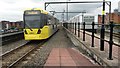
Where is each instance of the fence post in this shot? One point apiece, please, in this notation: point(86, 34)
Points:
point(102, 37)
point(78, 29)
point(67, 25)
point(64, 24)
point(75, 28)
point(83, 31)
point(70, 26)
point(93, 31)
point(111, 40)
point(119, 38)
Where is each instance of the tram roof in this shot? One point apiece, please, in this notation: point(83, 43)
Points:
point(42, 11)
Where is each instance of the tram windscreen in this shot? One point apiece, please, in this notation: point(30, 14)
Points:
point(32, 21)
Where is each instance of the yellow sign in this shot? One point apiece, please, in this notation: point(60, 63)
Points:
point(103, 12)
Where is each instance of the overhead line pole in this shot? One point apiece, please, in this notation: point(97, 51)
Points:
point(67, 11)
point(102, 35)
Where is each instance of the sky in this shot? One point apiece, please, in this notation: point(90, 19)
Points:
point(12, 10)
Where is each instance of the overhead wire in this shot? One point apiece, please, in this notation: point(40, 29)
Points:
point(51, 7)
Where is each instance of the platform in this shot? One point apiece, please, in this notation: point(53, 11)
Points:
point(100, 56)
point(9, 34)
point(67, 57)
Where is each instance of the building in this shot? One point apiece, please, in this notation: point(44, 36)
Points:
point(99, 19)
point(115, 17)
point(5, 25)
point(10, 25)
point(0, 26)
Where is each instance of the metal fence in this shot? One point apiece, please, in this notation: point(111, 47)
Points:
point(77, 27)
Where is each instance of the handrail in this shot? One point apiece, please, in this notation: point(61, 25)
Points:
point(110, 41)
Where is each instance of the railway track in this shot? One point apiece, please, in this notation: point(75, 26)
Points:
point(17, 55)
point(116, 36)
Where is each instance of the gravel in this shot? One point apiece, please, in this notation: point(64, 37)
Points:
point(59, 40)
point(11, 57)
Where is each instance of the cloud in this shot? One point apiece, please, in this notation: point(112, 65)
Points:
point(15, 8)
point(9, 1)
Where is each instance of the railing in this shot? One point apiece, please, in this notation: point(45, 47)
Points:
point(73, 28)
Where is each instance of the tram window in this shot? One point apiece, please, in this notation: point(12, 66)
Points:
point(32, 21)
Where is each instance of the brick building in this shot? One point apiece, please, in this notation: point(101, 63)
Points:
point(115, 17)
point(9, 25)
point(99, 19)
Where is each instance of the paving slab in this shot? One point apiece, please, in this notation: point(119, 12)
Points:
point(67, 57)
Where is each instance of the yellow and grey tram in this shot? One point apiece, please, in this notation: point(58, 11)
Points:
point(38, 24)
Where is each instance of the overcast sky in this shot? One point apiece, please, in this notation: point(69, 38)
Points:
point(12, 10)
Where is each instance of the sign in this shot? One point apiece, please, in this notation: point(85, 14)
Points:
point(88, 19)
point(32, 12)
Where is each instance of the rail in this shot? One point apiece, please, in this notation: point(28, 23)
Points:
point(19, 53)
point(26, 54)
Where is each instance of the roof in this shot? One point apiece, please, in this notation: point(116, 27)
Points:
point(42, 11)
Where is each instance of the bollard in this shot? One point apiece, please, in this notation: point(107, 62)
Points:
point(70, 26)
point(111, 41)
point(73, 28)
point(93, 34)
point(83, 31)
